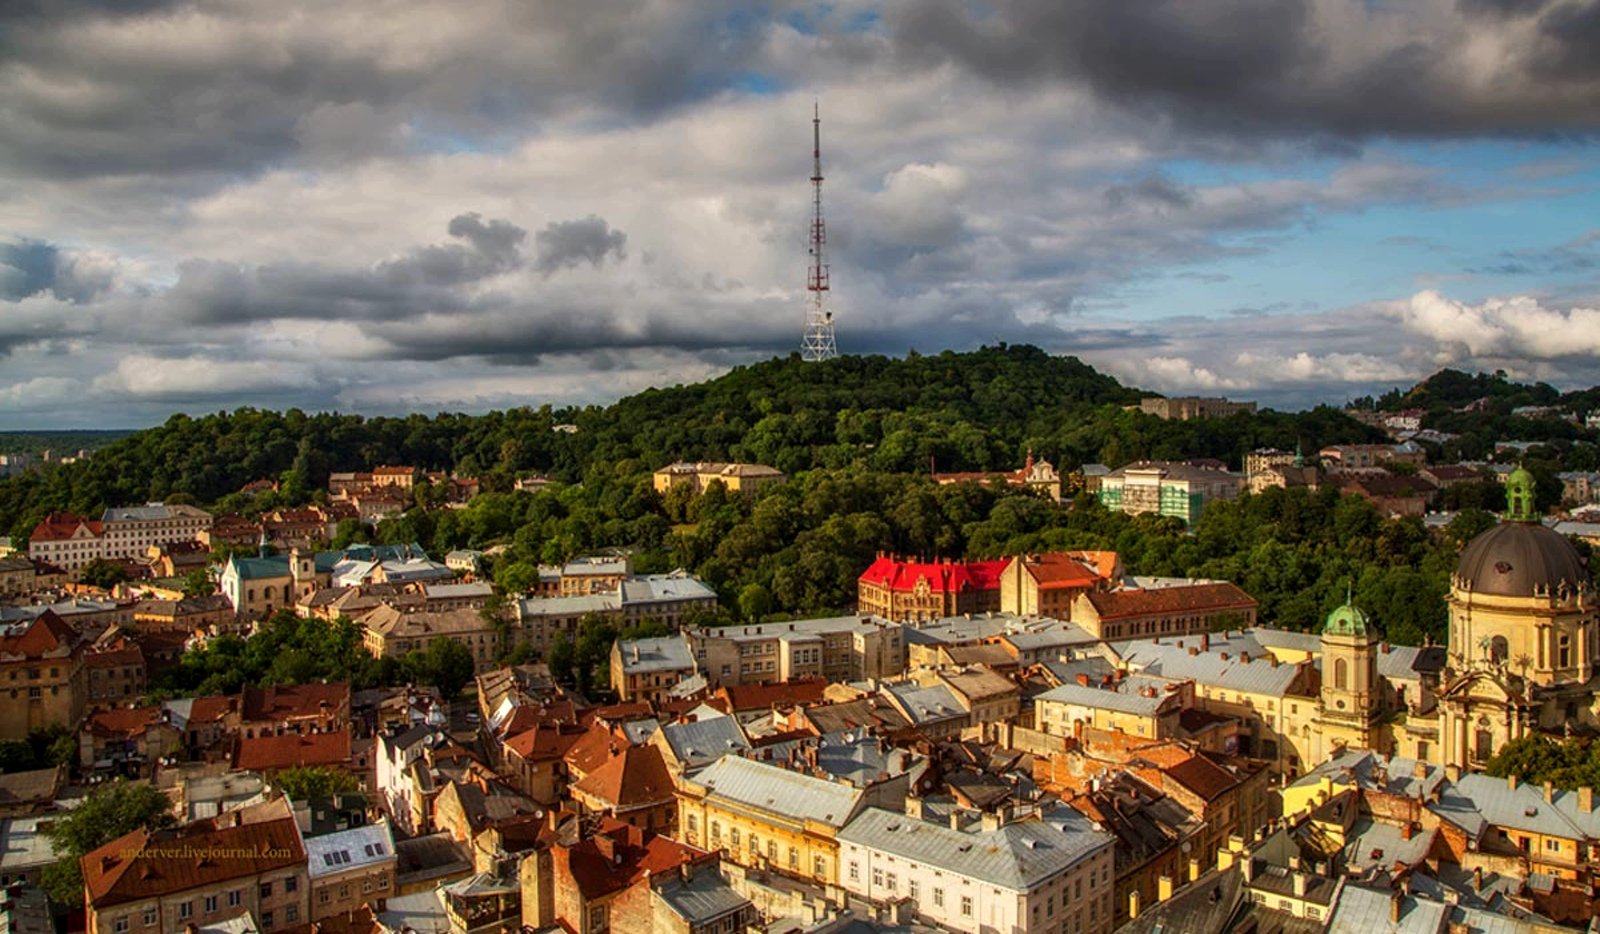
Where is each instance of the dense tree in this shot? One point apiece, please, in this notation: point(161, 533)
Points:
point(302, 783)
point(103, 573)
point(1536, 758)
point(106, 813)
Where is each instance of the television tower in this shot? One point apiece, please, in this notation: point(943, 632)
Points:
point(817, 341)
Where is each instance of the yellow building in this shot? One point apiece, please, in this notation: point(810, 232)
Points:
point(1524, 635)
point(737, 478)
point(769, 817)
point(1351, 702)
point(1136, 705)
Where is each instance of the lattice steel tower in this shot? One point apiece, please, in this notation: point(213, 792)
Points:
point(817, 341)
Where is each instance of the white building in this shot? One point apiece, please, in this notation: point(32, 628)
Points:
point(1045, 870)
point(130, 530)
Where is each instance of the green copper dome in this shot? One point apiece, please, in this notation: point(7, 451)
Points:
point(1347, 620)
point(1519, 496)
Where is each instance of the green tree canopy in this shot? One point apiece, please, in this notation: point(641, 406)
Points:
point(302, 783)
point(108, 812)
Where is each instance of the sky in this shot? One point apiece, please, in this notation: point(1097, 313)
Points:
point(386, 206)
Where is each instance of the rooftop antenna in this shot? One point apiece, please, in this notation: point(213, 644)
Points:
point(816, 343)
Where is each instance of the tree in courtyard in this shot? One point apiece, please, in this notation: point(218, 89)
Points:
point(108, 812)
point(302, 783)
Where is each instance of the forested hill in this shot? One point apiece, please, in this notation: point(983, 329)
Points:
point(955, 411)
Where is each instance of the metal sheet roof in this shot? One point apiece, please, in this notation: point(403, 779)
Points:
point(1016, 856)
point(767, 787)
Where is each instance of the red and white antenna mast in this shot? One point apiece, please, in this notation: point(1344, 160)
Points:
point(817, 341)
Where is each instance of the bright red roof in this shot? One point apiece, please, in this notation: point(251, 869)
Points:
point(942, 577)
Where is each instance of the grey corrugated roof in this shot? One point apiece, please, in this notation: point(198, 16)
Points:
point(1126, 695)
point(1170, 659)
point(665, 653)
point(927, 704)
point(1367, 911)
point(703, 741)
point(702, 899)
point(1016, 856)
point(659, 588)
point(1286, 639)
point(852, 755)
point(1521, 808)
point(1376, 845)
point(566, 606)
point(828, 624)
point(767, 787)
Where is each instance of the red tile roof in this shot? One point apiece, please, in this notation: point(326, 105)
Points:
point(1062, 570)
point(942, 577)
point(798, 693)
point(146, 864)
point(1124, 604)
point(619, 856)
point(61, 526)
point(594, 748)
point(115, 658)
point(545, 741)
point(286, 701)
point(47, 633)
point(635, 777)
point(210, 709)
point(123, 721)
point(268, 753)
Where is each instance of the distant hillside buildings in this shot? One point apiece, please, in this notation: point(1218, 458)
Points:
point(737, 478)
point(1168, 488)
point(1184, 408)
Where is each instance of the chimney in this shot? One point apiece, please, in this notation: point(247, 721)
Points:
point(1420, 771)
point(1133, 903)
point(1193, 651)
point(1511, 782)
point(1549, 792)
point(1586, 799)
point(1244, 658)
point(1194, 868)
point(1395, 902)
point(1477, 879)
point(1205, 642)
point(1406, 831)
point(1300, 881)
point(914, 807)
point(1164, 888)
point(955, 820)
point(991, 821)
point(1083, 679)
point(1274, 661)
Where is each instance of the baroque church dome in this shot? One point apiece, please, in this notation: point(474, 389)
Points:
point(1521, 559)
point(1347, 620)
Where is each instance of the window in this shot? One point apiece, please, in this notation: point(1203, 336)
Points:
point(891, 882)
point(211, 904)
point(819, 866)
point(966, 906)
point(733, 835)
point(266, 890)
point(291, 914)
point(322, 896)
point(716, 830)
point(911, 887)
point(266, 919)
point(235, 897)
point(877, 877)
point(120, 926)
point(694, 824)
point(149, 917)
point(185, 909)
point(794, 858)
point(938, 898)
point(290, 884)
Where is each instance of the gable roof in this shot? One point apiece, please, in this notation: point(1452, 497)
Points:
point(45, 634)
point(1211, 596)
point(284, 701)
point(265, 753)
point(635, 777)
point(63, 526)
point(776, 790)
point(146, 864)
point(1016, 856)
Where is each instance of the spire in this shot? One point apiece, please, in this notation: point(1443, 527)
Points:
point(1299, 456)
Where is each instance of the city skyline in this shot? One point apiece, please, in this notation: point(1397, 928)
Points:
point(491, 206)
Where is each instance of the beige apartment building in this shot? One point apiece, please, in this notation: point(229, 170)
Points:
point(737, 478)
point(844, 648)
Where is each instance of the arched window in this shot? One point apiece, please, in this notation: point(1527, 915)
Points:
point(1341, 674)
point(1499, 649)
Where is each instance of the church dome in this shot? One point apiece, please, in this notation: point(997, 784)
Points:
point(1347, 620)
point(1521, 559)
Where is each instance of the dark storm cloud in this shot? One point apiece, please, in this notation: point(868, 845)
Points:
point(566, 244)
point(101, 89)
point(32, 267)
point(427, 279)
point(1274, 66)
